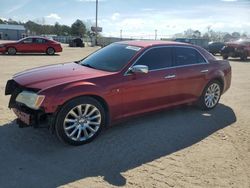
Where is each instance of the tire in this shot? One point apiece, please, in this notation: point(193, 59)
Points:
point(11, 51)
point(243, 56)
point(211, 95)
point(75, 129)
point(225, 56)
point(50, 51)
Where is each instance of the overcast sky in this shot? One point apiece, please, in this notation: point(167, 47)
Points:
point(136, 17)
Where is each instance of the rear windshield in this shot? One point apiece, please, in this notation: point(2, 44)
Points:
point(206, 54)
point(111, 58)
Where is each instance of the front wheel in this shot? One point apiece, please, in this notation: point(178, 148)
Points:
point(210, 96)
point(11, 51)
point(80, 121)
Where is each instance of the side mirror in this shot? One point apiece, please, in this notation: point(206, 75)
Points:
point(139, 69)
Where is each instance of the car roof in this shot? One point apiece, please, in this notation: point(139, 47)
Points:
point(32, 37)
point(149, 43)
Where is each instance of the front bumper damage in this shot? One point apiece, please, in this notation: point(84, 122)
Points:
point(27, 117)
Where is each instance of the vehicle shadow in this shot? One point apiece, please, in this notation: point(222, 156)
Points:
point(33, 157)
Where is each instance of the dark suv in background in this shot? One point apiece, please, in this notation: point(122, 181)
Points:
point(215, 47)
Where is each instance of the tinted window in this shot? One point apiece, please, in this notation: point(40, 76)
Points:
point(187, 56)
point(111, 58)
point(39, 40)
point(157, 58)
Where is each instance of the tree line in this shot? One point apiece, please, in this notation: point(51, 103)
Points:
point(78, 28)
point(211, 35)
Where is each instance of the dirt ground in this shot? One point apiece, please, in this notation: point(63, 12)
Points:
point(182, 147)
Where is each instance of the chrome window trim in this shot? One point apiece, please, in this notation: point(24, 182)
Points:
point(178, 66)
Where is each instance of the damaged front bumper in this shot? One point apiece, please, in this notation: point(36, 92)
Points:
point(26, 116)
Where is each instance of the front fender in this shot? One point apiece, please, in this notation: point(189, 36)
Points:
point(56, 97)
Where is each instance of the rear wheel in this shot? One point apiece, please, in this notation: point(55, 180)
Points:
point(80, 121)
point(243, 56)
point(210, 96)
point(50, 51)
point(11, 51)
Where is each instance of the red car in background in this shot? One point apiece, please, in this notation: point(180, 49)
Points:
point(240, 48)
point(31, 45)
point(118, 81)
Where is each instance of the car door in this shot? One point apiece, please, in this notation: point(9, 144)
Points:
point(191, 70)
point(153, 90)
point(40, 45)
point(26, 45)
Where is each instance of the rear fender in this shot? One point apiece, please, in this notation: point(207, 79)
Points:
point(222, 73)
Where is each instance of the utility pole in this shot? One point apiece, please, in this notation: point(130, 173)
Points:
point(96, 20)
point(121, 34)
point(155, 34)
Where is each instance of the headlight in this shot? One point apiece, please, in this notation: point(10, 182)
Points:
point(30, 99)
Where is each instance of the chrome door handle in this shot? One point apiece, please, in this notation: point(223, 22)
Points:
point(204, 71)
point(170, 76)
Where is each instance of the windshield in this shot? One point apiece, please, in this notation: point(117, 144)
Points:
point(110, 58)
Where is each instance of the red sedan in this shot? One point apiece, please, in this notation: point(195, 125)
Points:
point(121, 80)
point(31, 45)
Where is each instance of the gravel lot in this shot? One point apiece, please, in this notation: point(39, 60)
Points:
point(182, 147)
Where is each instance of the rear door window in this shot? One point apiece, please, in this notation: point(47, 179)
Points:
point(40, 41)
point(187, 56)
point(156, 58)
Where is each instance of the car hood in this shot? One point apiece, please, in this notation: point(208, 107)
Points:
point(49, 76)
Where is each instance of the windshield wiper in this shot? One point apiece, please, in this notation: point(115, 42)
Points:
point(77, 62)
point(88, 65)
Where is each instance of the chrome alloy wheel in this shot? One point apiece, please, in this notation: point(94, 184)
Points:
point(50, 51)
point(11, 51)
point(82, 122)
point(212, 95)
